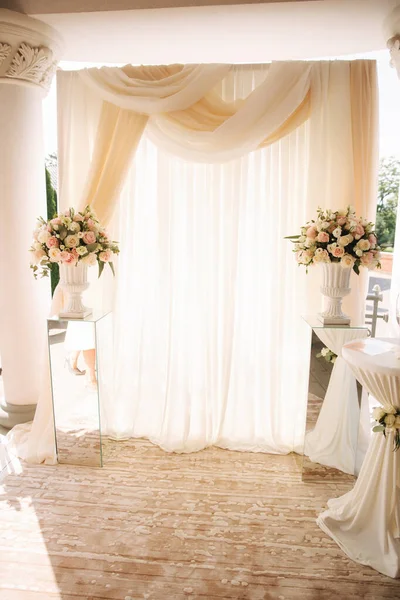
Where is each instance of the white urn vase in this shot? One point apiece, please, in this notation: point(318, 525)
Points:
point(335, 286)
point(73, 280)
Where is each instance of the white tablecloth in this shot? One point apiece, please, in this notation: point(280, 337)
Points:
point(333, 441)
point(365, 522)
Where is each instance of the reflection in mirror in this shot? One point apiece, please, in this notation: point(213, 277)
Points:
point(75, 391)
point(333, 415)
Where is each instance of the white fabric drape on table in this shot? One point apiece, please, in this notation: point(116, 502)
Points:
point(215, 235)
point(334, 439)
point(365, 522)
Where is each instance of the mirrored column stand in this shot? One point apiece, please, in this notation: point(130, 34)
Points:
point(81, 379)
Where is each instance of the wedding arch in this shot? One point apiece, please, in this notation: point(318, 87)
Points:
point(316, 125)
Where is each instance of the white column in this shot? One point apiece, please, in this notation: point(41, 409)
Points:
point(29, 52)
point(392, 27)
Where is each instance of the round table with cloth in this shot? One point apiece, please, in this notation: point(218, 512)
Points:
point(365, 522)
point(333, 441)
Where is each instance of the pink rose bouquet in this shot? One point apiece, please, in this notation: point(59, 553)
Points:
point(337, 236)
point(68, 238)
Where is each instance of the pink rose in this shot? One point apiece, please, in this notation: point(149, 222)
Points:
point(68, 258)
point(49, 227)
point(311, 232)
point(105, 256)
point(358, 231)
point(341, 221)
point(372, 239)
point(78, 218)
point(56, 221)
point(89, 237)
point(338, 251)
point(52, 242)
point(67, 213)
point(367, 258)
point(91, 224)
point(323, 237)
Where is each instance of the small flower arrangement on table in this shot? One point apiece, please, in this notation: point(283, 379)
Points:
point(389, 422)
point(327, 354)
point(337, 236)
point(69, 238)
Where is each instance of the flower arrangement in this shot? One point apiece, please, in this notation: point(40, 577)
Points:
point(337, 236)
point(327, 354)
point(389, 421)
point(68, 238)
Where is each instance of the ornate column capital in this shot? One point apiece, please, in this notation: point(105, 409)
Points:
point(391, 28)
point(29, 50)
point(394, 48)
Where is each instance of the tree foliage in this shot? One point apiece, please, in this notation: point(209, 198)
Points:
point(388, 194)
point(51, 197)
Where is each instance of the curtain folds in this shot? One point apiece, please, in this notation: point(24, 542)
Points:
point(213, 294)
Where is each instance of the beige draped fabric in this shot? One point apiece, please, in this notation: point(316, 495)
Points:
point(185, 115)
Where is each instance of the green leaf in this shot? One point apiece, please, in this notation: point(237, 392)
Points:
point(112, 268)
point(292, 237)
point(101, 267)
point(356, 268)
point(378, 428)
point(62, 232)
point(92, 247)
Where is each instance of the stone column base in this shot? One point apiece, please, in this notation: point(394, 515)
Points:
point(14, 414)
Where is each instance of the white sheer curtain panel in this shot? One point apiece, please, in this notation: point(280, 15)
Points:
point(208, 301)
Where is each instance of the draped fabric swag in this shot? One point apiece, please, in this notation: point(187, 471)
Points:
point(309, 129)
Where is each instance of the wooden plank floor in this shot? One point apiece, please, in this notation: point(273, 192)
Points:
point(211, 525)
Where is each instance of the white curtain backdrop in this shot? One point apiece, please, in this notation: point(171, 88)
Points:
point(208, 300)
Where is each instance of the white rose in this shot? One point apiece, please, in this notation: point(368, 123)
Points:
point(37, 256)
point(74, 227)
point(54, 255)
point(321, 256)
point(71, 241)
point(90, 260)
point(309, 242)
point(345, 240)
point(325, 351)
point(337, 232)
point(37, 246)
point(347, 261)
point(342, 212)
point(352, 224)
point(364, 245)
point(359, 252)
point(390, 420)
point(43, 236)
point(391, 410)
point(323, 225)
point(81, 250)
point(378, 413)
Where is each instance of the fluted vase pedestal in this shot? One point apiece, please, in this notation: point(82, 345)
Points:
point(73, 280)
point(335, 286)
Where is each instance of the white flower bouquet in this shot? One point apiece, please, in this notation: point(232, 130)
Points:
point(327, 354)
point(389, 421)
point(68, 238)
point(337, 236)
